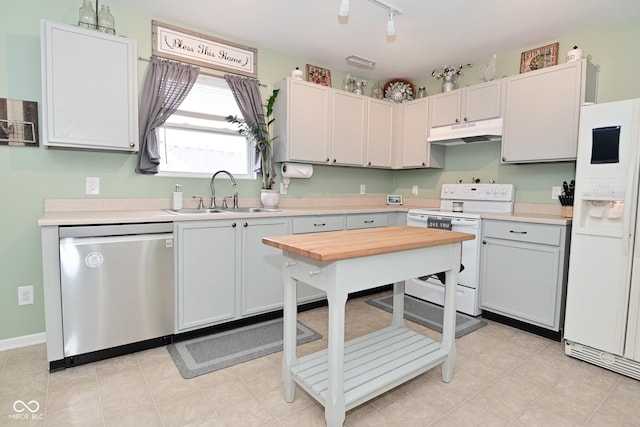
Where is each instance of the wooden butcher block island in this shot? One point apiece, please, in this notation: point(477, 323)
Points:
point(346, 375)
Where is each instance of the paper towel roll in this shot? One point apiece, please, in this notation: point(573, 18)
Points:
point(296, 170)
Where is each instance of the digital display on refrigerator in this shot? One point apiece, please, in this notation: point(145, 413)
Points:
point(605, 145)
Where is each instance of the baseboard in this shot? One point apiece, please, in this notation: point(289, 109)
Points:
point(23, 341)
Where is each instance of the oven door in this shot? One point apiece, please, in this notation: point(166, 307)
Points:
point(431, 288)
point(470, 248)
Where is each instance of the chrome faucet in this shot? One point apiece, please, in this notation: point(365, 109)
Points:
point(213, 190)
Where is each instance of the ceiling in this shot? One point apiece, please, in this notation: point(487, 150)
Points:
point(430, 34)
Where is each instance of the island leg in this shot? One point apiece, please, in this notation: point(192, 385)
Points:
point(289, 358)
point(398, 304)
point(334, 413)
point(449, 316)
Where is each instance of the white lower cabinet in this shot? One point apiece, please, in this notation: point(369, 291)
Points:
point(371, 220)
point(207, 268)
point(262, 287)
point(224, 272)
point(523, 273)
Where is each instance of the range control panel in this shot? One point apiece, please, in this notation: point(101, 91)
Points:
point(493, 192)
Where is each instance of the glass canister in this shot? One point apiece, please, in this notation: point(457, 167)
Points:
point(106, 22)
point(87, 16)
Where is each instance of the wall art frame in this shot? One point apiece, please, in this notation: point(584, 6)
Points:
point(531, 60)
point(318, 75)
point(18, 123)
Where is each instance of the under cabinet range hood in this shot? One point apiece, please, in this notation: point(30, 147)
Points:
point(466, 133)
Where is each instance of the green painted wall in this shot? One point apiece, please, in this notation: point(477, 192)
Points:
point(29, 175)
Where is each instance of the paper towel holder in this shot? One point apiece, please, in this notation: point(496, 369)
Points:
point(286, 176)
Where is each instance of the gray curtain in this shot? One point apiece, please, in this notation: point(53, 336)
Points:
point(246, 91)
point(166, 85)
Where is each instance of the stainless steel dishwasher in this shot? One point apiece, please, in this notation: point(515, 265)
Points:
point(117, 285)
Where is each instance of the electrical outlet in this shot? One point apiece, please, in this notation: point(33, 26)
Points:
point(363, 189)
point(555, 192)
point(414, 190)
point(25, 295)
point(92, 185)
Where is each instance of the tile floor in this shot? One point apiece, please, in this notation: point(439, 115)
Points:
point(503, 377)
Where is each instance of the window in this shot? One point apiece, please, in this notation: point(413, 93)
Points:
point(197, 141)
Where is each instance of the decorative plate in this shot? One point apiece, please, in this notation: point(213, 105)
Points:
point(399, 90)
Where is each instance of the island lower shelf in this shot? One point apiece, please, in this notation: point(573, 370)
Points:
point(373, 364)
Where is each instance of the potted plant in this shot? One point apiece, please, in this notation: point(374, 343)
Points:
point(264, 147)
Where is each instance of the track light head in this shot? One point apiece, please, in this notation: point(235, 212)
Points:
point(344, 8)
point(391, 25)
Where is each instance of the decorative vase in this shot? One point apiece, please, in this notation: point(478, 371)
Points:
point(269, 198)
point(448, 84)
point(87, 16)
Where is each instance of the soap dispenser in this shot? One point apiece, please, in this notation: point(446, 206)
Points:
point(177, 197)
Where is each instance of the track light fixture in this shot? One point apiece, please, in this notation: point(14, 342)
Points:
point(391, 25)
point(393, 11)
point(344, 8)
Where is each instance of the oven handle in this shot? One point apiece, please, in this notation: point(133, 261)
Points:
point(464, 222)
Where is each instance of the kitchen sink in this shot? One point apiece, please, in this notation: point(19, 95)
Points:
point(251, 210)
point(204, 211)
point(195, 211)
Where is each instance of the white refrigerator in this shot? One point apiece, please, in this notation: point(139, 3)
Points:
point(602, 323)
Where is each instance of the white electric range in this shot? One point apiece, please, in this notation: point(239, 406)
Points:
point(461, 209)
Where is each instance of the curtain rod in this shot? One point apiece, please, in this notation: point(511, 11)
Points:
point(202, 72)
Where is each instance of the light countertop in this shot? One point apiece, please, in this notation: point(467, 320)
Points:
point(119, 211)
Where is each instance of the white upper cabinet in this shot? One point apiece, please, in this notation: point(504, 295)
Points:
point(90, 89)
point(410, 133)
point(542, 112)
point(379, 133)
point(348, 128)
point(301, 126)
point(318, 124)
point(469, 104)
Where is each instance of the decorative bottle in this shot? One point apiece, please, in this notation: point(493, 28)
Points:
point(87, 16)
point(376, 91)
point(106, 22)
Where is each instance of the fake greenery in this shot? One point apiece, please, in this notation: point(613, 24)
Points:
point(263, 140)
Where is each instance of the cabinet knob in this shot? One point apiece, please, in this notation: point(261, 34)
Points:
point(233, 225)
point(504, 159)
point(424, 164)
point(335, 160)
point(328, 160)
point(457, 120)
point(369, 164)
point(484, 242)
point(132, 144)
point(465, 119)
point(245, 225)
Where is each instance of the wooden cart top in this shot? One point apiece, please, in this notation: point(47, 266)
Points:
point(337, 245)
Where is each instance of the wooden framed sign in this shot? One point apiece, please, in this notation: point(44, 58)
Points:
point(533, 59)
point(202, 50)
